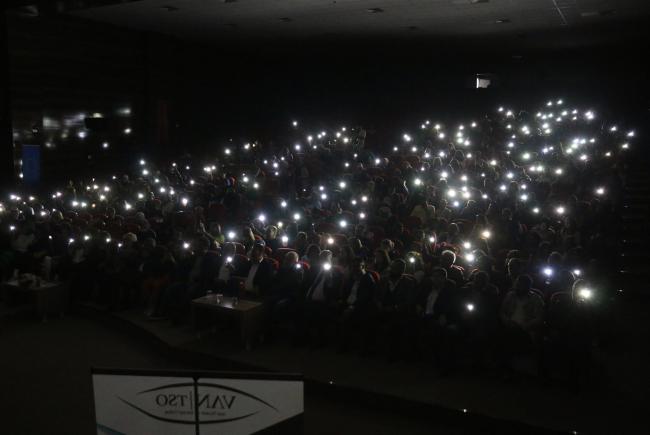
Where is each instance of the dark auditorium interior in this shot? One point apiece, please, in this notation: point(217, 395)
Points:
point(358, 216)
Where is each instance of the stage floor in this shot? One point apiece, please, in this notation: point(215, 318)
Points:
point(46, 385)
point(554, 407)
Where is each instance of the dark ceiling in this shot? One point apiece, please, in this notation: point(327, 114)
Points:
point(494, 24)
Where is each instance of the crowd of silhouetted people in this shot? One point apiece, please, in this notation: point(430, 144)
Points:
point(463, 245)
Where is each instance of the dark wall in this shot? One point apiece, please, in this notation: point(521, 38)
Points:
point(190, 97)
point(65, 70)
point(389, 86)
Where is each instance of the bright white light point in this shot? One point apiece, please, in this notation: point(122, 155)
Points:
point(502, 188)
point(630, 134)
point(105, 145)
point(624, 146)
point(184, 201)
point(484, 196)
point(486, 234)
point(414, 149)
point(411, 260)
point(362, 215)
point(585, 293)
point(493, 162)
point(346, 164)
point(406, 137)
point(451, 193)
point(536, 210)
point(256, 186)
point(323, 196)
point(186, 245)
point(342, 184)
point(510, 175)
point(548, 271)
point(364, 198)
point(231, 235)
point(560, 210)
point(343, 224)
point(470, 257)
point(600, 191)
point(524, 197)
point(295, 123)
point(417, 182)
point(432, 239)
point(526, 156)
point(377, 161)
point(245, 179)
point(296, 216)
point(558, 171)
point(127, 131)
point(441, 136)
point(577, 272)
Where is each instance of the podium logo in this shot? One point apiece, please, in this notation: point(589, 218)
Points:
point(192, 403)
